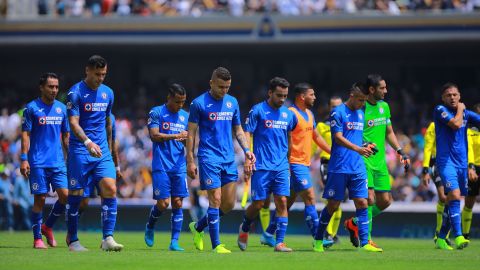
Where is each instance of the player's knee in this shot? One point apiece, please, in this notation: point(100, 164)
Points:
point(177, 203)
point(109, 191)
point(62, 195)
point(258, 205)
point(281, 202)
point(39, 202)
point(163, 204)
point(442, 199)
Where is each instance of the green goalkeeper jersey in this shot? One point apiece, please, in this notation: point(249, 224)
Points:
point(377, 118)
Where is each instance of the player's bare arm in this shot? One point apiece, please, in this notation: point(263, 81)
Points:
point(364, 151)
point(457, 122)
point(157, 136)
point(191, 167)
point(78, 131)
point(242, 140)
point(248, 166)
point(320, 141)
point(65, 141)
point(392, 140)
point(25, 145)
point(108, 127)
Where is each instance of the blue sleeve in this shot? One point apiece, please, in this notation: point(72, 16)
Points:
point(293, 122)
point(473, 118)
point(443, 115)
point(153, 119)
point(251, 121)
point(27, 120)
point(336, 122)
point(194, 115)
point(236, 115)
point(65, 123)
point(73, 104)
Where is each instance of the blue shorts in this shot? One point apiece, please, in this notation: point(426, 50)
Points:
point(454, 178)
point(266, 182)
point(357, 184)
point(169, 184)
point(85, 170)
point(41, 179)
point(300, 179)
point(216, 175)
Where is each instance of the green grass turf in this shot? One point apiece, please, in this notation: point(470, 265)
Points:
point(16, 252)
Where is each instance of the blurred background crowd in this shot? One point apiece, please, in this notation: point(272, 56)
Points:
point(197, 8)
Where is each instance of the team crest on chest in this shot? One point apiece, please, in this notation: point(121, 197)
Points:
point(182, 118)
point(229, 104)
point(360, 116)
point(58, 110)
point(104, 95)
point(284, 115)
point(381, 110)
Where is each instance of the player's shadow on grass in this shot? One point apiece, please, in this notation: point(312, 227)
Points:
point(10, 247)
point(326, 250)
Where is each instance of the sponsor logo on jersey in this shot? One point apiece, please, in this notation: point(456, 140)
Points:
point(370, 123)
point(50, 120)
point(42, 120)
point(179, 127)
point(276, 124)
point(96, 107)
point(220, 116)
point(354, 125)
point(166, 125)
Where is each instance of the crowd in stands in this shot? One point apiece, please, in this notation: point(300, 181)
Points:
point(197, 8)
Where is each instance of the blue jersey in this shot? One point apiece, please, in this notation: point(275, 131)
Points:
point(168, 156)
point(270, 128)
point(45, 124)
point(93, 107)
point(215, 119)
point(350, 123)
point(452, 144)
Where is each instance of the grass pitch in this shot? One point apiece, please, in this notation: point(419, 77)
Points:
point(16, 252)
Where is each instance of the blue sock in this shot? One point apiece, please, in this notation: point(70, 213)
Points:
point(282, 223)
point(311, 218)
point(246, 223)
point(322, 224)
point(202, 223)
point(36, 219)
point(455, 217)
point(109, 216)
point(214, 226)
point(273, 223)
point(445, 223)
point(362, 223)
point(57, 210)
point(155, 213)
point(177, 221)
point(73, 203)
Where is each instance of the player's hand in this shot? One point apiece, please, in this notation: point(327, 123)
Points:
point(425, 177)
point(461, 106)
point(94, 150)
point(405, 160)
point(372, 147)
point(472, 175)
point(250, 156)
point(25, 168)
point(192, 170)
point(119, 175)
point(182, 136)
point(248, 168)
point(365, 151)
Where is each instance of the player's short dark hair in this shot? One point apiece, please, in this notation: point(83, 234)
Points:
point(44, 78)
point(359, 87)
point(96, 61)
point(221, 73)
point(301, 88)
point(334, 98)
point(277, 81)
point(373, 80)
point(176, 89)
point(447, 86)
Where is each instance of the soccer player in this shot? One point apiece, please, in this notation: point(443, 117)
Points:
point(430, 172)
point(215, 114)
point(89, 104)
point(45, 131)
point(377, 129)
point(270, 123)
point(346, 166)
point(300, 155)
point(473, 172)
point(451, 120)
point(167, 126)
point(323, 129)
